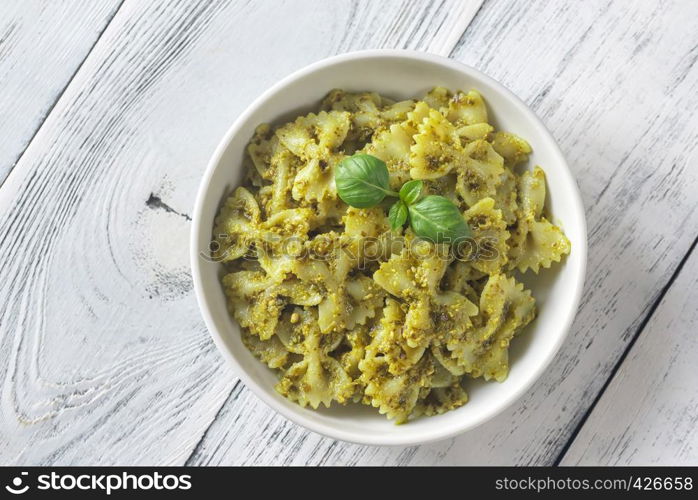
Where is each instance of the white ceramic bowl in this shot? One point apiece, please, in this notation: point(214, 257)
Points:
point(399, 75)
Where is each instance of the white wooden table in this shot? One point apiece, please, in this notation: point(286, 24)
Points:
point(109, 111)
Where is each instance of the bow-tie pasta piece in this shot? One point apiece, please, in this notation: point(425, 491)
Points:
point(511, 147)
point(291, 332)
point(237, 226)
point(318, 378)
point(447, 360)
point(450, 314)
point(333, 310)
point(388, 342)
point(459, 277)
point(285, 168)
point(506, 196)
point(315, 140)
point(291, 222)
point(257, 299)
point(487, 250)
point(445, 394)
point(535, 242)
point(279, 261)
point(315, 136)
point(369, 112)
point(438, 99)
point(365, 299)
point(416, 117)
point(466, 109)
point(479, 173)
point(395, 396)
point(532, 193)
point(328, 213)
point(505, 308)
point(263, 146)
point(414, 275)
point(474, 132)
point(392, 145)
point(443, 186)
point(314, 181)
point(416, 270)
point(437, 148)
point(367, 236)
point(271, 352)
point(299, 292)
point(352, 102)
point(365, 223)
point(353, 350)
point(441, 399)
point(254, 301)
point(348, 301)
point(393, 112)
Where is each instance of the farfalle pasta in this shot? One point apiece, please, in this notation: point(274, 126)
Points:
point(347, 310)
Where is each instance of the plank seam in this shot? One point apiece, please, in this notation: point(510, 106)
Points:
point(199, 443)
point(60, 95)
point(456, 42)
point(627, 350)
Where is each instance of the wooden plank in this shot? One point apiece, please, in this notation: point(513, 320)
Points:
point(649, 412)
point(42, 44)
point(616, 84)
point(104, 356)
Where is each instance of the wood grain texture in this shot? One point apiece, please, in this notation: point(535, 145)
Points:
point(42, 44)
point(104, 357)
point(616, 83)
point(649, 413)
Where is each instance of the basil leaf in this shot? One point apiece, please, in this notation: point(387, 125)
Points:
point(397, 215)
point(362, 181)
point(437, 219)
point(410, 191)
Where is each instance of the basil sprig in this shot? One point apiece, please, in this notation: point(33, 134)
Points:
point(363, 181)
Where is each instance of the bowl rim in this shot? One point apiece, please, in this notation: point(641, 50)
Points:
point(435, 433)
